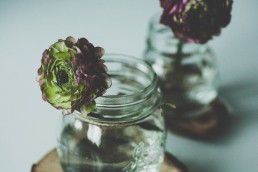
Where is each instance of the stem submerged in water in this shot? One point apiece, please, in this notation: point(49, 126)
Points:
point(180, 46)
point(179, 54)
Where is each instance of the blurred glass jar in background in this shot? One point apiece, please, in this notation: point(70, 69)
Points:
point(125, 133)
point(187, 72)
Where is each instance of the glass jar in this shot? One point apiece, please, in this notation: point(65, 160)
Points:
point(125, 133)
point(187, 72)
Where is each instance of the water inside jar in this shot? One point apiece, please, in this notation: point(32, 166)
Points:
point(103, 149)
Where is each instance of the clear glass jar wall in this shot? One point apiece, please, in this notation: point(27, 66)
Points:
point(125, 133)
point(187, 72)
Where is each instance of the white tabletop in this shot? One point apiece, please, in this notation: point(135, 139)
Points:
point(28, 125)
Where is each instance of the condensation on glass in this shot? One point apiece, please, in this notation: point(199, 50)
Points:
point(125, 133)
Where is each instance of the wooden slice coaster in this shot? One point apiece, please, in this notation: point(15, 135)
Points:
point(50, 163)
point(205, 126)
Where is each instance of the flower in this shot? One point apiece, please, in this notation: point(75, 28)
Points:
point(196, 20)
point(72, 74)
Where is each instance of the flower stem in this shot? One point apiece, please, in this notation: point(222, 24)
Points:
point(179, 53)
point(180, 46)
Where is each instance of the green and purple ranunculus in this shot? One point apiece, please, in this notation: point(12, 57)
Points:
point(72, 74)
point(196, 20)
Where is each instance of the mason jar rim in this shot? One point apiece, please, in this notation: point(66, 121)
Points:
point(122, 57)
point(136, 106)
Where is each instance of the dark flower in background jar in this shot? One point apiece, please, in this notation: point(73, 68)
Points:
point(72, 74)
point(196, 20)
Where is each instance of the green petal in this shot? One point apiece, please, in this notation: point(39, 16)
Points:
point(52, 92)
point(53, 51)
point(62, 98)
point(63, 56)
point(64, 105)
point(61, 47)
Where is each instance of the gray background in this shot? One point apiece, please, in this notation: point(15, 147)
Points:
point(28, 126)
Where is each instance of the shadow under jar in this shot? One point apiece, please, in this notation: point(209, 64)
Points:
point(125, 133)
point(187, 72)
